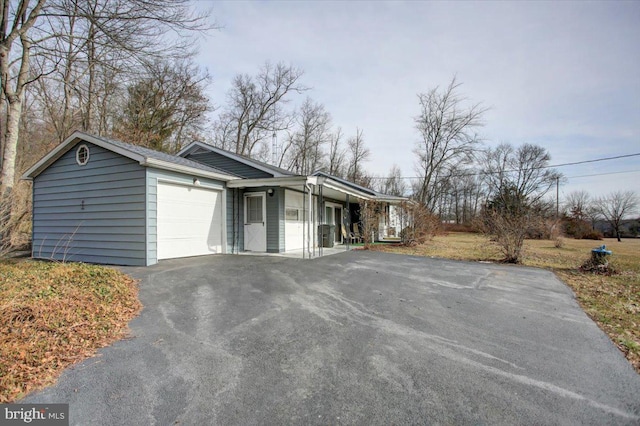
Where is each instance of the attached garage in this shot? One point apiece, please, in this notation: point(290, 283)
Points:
point(189, 220)
point(97, 200)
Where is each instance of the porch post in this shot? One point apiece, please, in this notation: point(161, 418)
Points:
point(348, 222)
point(320, 220)
point(304, 222)
point(402, 212)
point(309, 223)
point(236, 221)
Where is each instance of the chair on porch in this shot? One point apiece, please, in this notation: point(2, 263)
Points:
point(356, 232)
point(351, 237)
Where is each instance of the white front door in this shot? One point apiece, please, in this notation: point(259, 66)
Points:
point(255, 222)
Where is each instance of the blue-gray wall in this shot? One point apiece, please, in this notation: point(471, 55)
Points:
point(274, 218)
point(275, 221)
point(92, 213)
point(235, 213)
point(228, 165)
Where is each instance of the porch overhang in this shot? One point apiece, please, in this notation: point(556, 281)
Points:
point(293, 181)
point(343, 189)
point(394, 200)
point(331, 188)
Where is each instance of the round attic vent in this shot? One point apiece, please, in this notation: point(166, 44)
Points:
point(82, 155)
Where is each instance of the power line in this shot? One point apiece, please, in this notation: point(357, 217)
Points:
point(575, 163)
point(603, 174)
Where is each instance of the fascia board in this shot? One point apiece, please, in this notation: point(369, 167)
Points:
point(284, 181)
point(189, 147)
point(390, 200)
point(337, 186)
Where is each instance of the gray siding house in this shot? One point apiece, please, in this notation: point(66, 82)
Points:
point(99, 200)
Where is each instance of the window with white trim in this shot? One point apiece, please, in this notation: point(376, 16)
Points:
point(82, 155)
point(254, 209)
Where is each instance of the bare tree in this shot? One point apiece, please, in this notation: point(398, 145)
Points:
point(166, 108)
point(579, 215)
point(576, 204)
point(616, 206)
point(16, 22)
point(523, 171)
point(336, 162)
point(464, 194)
point(592, 213)
point(447, 138)
point(517, 179)
point(394, 184)
point(255, 107)
point(75, 44)
point(358, 154)
point(307, 142)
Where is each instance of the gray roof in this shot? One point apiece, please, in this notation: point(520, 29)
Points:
point(162, 156)
point(346, 182)
point(145, 156)
point(251, 162)
point(359, 187)
point(276, 170)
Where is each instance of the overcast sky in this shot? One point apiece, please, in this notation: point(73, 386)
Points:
point(564, 75)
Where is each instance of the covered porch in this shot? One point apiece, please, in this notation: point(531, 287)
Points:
point(303, 216)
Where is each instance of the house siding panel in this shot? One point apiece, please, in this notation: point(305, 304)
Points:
point(235, 242)
point(93, 213)
point(275, 221)
point(229, 165)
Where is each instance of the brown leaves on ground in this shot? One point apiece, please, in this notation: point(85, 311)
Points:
point(55, 314)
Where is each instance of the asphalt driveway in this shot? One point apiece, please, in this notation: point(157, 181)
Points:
point(357, 338)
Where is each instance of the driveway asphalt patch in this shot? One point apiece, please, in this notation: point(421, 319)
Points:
point(357, 338)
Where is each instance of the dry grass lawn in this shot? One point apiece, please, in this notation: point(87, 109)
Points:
point(612, 301)
point(55, 314)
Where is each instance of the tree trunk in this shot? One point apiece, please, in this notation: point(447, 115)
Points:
point(14, 111)
point(11, 144)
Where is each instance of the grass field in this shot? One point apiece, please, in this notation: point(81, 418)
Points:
point(612, 301)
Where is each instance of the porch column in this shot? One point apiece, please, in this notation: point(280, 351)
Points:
point(304, 220)
point(320, 220)
point(348, 222)
point(311, 236)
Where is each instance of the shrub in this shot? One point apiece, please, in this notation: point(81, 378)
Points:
point(424, 224)
point(592, 235)
point(598, 265)
point(461, 227)
point(575, 228)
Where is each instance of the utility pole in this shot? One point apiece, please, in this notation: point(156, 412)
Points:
point(557, 197)
point(274, 149)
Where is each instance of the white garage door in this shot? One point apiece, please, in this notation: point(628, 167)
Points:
point(189, 221)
